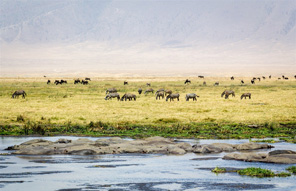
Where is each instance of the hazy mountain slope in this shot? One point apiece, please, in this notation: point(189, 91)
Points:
point(207, 31)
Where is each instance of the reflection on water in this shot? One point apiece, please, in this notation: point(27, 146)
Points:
point(153, 172)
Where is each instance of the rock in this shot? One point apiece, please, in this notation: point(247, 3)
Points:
point(64, 141)
point(82, 152)
point(116, 145)
point(252, 146)
point(277, 156)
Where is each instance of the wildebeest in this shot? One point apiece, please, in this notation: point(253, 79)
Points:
point(259, 79)
point(172, 97)
point(232, 78)
point(77, 81)
point(84, 82)
point(201, 77)
point(242, 81)
point(60, 82)
point(254, 78)
point(149, 90)
point(295, 76)
point(160, 90)
point(128, 96)
point(253, 81)
point(87, 79)
point(140, 90)
point(216, 84)
point(191, 96)
point(159, 94)
point(18, 93)
point(286, 78)
point(227, 93)
point(111, 90)
point(48, 81)
point(245, 95)
point(283, 76)
point(269, 76)
point(187, 81)
point(263, 77)
point(279, 78)
point(148, 84)
point(56, 82)
point(125, 83)
point(168, 92)
point(204, 83)
point(112, 95)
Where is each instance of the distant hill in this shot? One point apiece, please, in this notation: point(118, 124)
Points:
point(182, 34)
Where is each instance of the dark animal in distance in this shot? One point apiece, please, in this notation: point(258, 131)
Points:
point(172, 97)
point(253, 81)
point(295, 76)
point(160, 90)
point(168, 92)
point(149, 90)
point(129, 97)
point(259, 79)
point(18, 93)
point(279, 78)
point(227, 93)
point(84, 82)
point(245, 95)
point(140, 90)
point(48, 81)
point(87, 79)
point(191, 96)
point(232, 78)
point(112, 95)
point(187, 81)
point(148, 84)
point(263, 77)
point(56, 82)
point(242, 81)
point(269, 76)
point(201, 77)
point(286, 78)
point(125, 83)
point(60, 82)
point(204, 83)
point(283, 76)
point(159, 94)
point(216, 84)
point(111, 90)
point(77, 81)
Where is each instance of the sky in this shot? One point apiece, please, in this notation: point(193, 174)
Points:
point(147, 37)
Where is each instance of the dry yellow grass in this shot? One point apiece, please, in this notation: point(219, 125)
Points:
point(272, 101)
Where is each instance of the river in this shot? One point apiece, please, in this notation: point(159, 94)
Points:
point(151, 172)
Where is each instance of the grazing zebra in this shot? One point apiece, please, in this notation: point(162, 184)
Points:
point(18, 93)
point(245, 95)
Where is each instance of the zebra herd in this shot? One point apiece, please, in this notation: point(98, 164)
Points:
point(161, 93)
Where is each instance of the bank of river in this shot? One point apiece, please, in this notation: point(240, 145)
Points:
point(133, 171)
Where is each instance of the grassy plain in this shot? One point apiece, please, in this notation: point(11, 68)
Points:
point(70, 108)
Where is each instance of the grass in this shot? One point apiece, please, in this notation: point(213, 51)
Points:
point(291, 169)
point(79, 109)
point(261, 173)
point(219, 170)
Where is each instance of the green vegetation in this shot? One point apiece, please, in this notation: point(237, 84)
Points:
point(81, 109)
point(219, 170)
point(266, 141)
point(291, 169)
point(260, 173)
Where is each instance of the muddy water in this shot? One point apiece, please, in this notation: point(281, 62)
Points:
point(133, 171)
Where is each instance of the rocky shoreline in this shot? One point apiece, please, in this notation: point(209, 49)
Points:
point(152, 145)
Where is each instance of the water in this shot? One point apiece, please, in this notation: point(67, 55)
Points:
point(153, 172)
